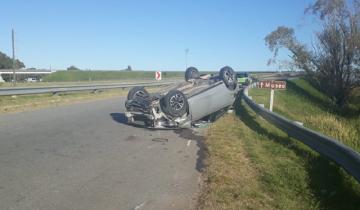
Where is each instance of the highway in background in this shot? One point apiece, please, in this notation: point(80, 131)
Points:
point(75, 88)
point(83, 156)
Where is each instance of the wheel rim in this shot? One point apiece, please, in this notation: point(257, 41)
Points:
point(177, 102)
point(139, 93)
point(193, 72)
point(228, 76)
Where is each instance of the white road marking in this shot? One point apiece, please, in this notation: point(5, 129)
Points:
point(139, 206)
point(188, 143)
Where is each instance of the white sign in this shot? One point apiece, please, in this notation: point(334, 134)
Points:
point(158, 75)
point(272, 84)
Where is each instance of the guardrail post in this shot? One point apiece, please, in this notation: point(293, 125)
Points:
point(246, 91)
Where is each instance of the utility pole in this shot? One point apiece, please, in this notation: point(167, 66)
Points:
point(13, 57)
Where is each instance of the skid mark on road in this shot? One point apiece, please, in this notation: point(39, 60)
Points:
point(131, 138)
point(160, 140)
point(198, 138)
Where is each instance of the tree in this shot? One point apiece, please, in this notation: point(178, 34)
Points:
point(72, 68)
point(334, 61)
point(7, 63)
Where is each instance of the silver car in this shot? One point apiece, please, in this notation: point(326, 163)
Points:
point(184, 103)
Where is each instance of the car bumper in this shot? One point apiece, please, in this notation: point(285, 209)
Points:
point(148, 121)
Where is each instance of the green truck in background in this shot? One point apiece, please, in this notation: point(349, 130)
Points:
point(243, 78)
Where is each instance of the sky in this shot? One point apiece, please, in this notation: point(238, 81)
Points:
point(148, 34)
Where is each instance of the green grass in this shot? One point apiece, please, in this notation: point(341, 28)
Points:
point(251, 164)
point(302, 102)
point(66, 76)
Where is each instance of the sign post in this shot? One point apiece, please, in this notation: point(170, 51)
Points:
point(279, 85)
point(271, 99)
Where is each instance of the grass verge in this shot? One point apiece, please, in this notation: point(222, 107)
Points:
point(10, 104)
point(253, 165)
point(66, 76)
point(302, 102)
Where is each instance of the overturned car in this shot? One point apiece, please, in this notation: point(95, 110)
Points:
point(180, 105)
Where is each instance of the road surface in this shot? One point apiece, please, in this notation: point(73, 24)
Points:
point(83, 156)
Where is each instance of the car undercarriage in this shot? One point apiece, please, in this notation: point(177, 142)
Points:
point(184, 103)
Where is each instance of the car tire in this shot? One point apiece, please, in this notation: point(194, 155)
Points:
point(137, 91)
point(191, 73)
point(175, 104)
point(228, 76)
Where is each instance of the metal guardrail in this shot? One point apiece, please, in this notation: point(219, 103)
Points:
point(331, 148)
point(74, 88)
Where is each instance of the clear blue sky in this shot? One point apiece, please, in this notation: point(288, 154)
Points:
point(148, 35)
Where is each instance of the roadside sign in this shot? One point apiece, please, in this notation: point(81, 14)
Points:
point(272, 84)
point(278, 85)
point(158, 75)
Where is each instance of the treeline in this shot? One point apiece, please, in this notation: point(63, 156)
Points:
point(7, 63)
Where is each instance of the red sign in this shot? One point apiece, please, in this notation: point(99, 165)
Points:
point(272, 84)
point(158, 75)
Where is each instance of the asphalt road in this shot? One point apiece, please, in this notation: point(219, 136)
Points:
point(83, 156)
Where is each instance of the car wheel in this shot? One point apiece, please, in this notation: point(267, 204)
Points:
point(228, 76)
point(174, 103)
point(191, 73)
point(137, 91)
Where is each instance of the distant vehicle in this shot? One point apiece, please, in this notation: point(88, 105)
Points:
point(243, 78)
point(184, 103)
point(31, 79)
